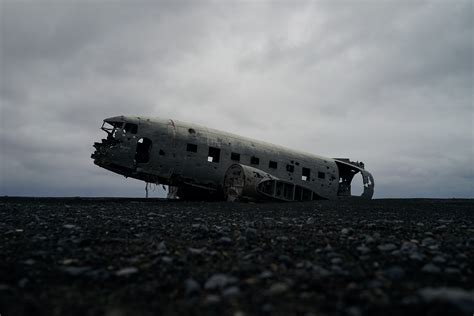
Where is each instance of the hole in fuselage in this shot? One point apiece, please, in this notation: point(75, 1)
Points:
point(142, 154)
point(357, 185)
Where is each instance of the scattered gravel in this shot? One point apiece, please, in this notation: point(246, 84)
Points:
point(145, 257)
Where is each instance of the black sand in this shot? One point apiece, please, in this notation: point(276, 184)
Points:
point(145, 257)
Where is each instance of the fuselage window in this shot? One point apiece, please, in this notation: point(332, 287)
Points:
point(290, 168)
point(305, 175)
point(192, 148)
point(254, 160)
point(235, 156)
point(321, 175)
point(272, 164)
point(214, 154)
point(130, 128)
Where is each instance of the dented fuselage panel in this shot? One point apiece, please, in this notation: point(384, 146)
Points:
point(205, 163)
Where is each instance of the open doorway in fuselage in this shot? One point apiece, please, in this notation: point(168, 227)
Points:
point(142, 154)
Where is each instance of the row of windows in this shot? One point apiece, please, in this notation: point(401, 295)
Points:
point(214, 156)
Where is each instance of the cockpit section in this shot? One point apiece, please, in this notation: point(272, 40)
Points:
point(113, 128)
point(118, 151)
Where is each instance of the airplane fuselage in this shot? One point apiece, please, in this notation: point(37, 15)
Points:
point(196, 159)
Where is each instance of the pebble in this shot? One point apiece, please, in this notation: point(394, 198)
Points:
point(22, 283)
point(439, 259)
point(310, 221)
point(251, 233)
point(196, 251)
point(267, 308)
point(430, 268)
point(461, 300)
point(225, 241)
point(29, 262)
point(212, 299)
point(219, 281)
point(387, 247)
point(394, 273)
point(4, 287)
point(162, 247)
point(415, 255)
point(278, 288)
point(408, 247)
point(191, 286)
point(346, 231)
point(428, 242)
point(126, 271)
point(336, 260)
point(231, 291)
point(75, 270)
point(450, 270)
point(363, 249)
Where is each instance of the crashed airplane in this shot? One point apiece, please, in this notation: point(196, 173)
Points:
point(199, 163)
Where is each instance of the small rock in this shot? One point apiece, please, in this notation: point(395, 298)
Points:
point(251, 233)
point(75, 270)
point(278, 288)
point(460, 300)
point(22, 283)
point(336, 260)
point(161, 248)
point(408, 247)
point(191, 286)
point(231, 291)
point(29, 262)
point(394, 273)
point(69, 226)
point(430, 268)
point(363, 249)
point(451, 270)
point(439, 259)
point(225, 241)
point(353, 311)
point(320, 271)
point(387, 247)
point(310, 221)
point(265, 275)
point(4, 287)
point(416, 256)
point(126, 271)
point(219, 281)
point(267, 308)
point(346, 231)
point(196, 251)
point(428, 242)
point(212, 299)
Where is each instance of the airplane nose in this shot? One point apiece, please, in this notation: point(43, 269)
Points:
point(101, 148)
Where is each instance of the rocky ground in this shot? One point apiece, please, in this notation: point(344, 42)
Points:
point(144, 257)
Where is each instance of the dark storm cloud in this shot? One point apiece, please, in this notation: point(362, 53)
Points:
point(389, 83)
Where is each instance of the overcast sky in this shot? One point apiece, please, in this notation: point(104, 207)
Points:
point(389, 83)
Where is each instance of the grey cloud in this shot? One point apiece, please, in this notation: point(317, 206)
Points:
point(389, 83)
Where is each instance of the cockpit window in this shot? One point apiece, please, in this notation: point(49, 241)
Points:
point(130, 128)
point(110, 127)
